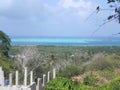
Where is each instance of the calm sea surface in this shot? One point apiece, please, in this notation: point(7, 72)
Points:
point(66, 41)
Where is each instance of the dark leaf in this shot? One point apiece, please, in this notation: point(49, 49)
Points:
point(118, 0)
point(116, 10)
point(110, 17)
point(111, 6)
point(98, 9)
point(119, 18)
point(111, 1)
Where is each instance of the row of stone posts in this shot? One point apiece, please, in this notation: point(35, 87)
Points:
point(17, 78)
point(31, 77)
point(45, 79)
point(41, 82)
point(48, 77)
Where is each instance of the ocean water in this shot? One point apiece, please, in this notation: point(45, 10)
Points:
point(66, 41)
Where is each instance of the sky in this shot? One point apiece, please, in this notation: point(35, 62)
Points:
point(55, 18)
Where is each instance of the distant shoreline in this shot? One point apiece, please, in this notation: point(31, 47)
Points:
point(65, 42)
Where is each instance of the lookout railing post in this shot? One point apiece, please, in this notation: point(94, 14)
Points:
point(54, 73)
point(31, 77)
point(39, 84)
point(17, 78)
point(48, 77)
point(10, 79)
point(44, 79)
point(1, 77)
point(25, 77)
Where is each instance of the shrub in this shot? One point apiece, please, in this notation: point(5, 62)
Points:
point(104, 87)
point(90, 80)
point(115, 84)
point(69, 72)
point(101, 63)
point(61, 83)
point(107, 74)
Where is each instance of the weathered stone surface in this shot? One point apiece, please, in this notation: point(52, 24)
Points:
point(1, 77)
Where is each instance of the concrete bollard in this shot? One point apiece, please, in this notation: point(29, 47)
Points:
point(44, 79)
point(1, 77)
point(25, 77)
point(10, 79)
point(31, 77)
point(48, 77)
point(16, 78)
point(39, 84)
point(54, 73)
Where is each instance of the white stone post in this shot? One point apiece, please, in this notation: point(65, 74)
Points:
point(39, 84)
point(48, 77)
point(16, 78)
point(10, 79)
point(44, 80)
point(31, 77)
point(54, 73)
point(25, 77)
point(1, 77)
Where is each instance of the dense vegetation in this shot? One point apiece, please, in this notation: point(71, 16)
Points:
point(90, 67)
point(78, 67)
point(8, 63)
point(61, 83)
point(4, 43)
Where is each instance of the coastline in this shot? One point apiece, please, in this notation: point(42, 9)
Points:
point(65, 42)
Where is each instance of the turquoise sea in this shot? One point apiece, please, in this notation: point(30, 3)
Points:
point(67, 41)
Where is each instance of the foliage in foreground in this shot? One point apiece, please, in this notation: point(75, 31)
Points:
point(4, 43)
point(103, 61)
point(61, 83)
point(69, 71)
point(8, 65)
point(90, 80)
point(115, 84)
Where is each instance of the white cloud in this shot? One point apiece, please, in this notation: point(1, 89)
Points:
point(80, 8)
point(74, 4)
point(20, 9)
point(3, 19)
point(5, 4)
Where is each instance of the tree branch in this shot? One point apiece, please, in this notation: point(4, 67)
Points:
point(102, 25)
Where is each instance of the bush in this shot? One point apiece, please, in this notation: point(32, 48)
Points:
point(69, 71)
point(102, 64)
point(104, 87)
point(8, 64)
point(115, 84)
point(90, 80)
point(107, 74)
point(61, 84)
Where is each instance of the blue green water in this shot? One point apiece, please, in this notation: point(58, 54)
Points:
point(66, 41)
